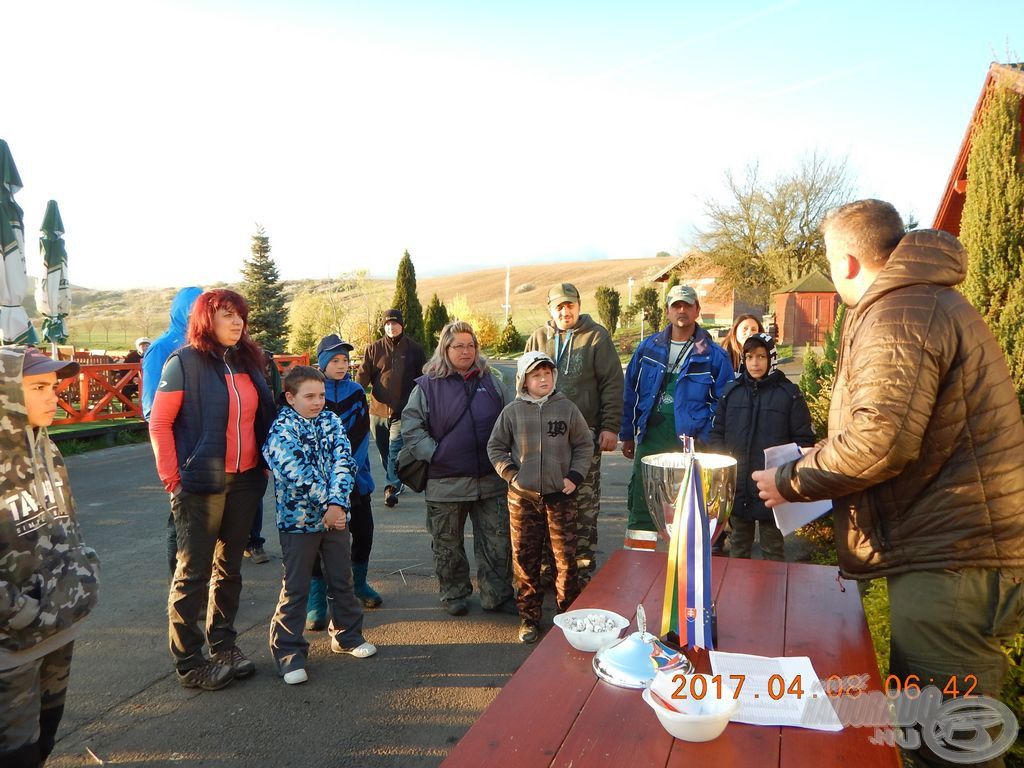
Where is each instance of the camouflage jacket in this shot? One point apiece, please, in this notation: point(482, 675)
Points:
point(48, 577)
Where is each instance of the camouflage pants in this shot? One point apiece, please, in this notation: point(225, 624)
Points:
point(446, 523)
point(535, 522)
point(31, 705)
point(588, 507)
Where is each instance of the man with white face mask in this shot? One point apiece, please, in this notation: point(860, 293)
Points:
point(389, 369)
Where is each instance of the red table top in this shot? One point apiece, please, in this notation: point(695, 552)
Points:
point(554, 711)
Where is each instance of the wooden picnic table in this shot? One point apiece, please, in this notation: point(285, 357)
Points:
point(554, 711)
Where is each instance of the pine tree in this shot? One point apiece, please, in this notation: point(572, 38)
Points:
point(406, 299)
point(830, 352)
point(810, 379)
point(608, 306)
point(261, 286)
point(511, 340)
point(992, 227)
point(435, 318)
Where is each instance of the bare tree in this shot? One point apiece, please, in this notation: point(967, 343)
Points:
point(765, 234)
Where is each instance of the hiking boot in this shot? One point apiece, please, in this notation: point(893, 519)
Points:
point(363, 651)
point(509, 607)
point(238, 661)
point(366, 594)
point(456, 606)
point(390, 496)
point(209, 676)
point(528, 632)
point(258, 555)
point(316, 606)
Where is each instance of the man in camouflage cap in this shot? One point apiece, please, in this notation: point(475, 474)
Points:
point(48, 575)
point(590, 375)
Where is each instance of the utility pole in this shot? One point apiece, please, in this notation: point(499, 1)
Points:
point(507, 306)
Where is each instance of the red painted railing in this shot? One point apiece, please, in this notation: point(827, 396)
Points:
point(98, 393)
point(108, 390)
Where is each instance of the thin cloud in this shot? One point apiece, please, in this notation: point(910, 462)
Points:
point(805, 84)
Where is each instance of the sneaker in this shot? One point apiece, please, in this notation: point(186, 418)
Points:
point(509, 607)
point(360, 651)
point(296, 676)
point(528, 632)
point(258, 555)
point(456, 606)
point(209, 676)
point(238, 661)
point(390, 496)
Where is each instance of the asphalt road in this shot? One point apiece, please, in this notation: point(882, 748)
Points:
point(407, 706)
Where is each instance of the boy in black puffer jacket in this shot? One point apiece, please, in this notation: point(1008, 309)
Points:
point(761, 408)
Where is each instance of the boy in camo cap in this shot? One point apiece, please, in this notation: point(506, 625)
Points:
point(48, 577)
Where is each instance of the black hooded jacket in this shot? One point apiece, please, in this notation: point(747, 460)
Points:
point(754, 414)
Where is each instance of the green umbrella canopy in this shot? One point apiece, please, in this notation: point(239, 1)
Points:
point(14, 323)
point(53, 292)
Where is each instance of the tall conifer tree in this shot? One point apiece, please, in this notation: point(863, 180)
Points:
point(261, 286)
point(992, 226)
point(406, 299)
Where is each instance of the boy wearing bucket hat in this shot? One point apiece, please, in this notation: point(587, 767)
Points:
point(49, 574)
point(542, 447)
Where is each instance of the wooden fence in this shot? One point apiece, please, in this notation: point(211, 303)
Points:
point(104, 390)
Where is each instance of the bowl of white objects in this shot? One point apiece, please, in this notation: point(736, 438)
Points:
point(691, 718)
point(591, 629)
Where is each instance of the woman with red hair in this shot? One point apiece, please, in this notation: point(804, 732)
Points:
point(210, 416)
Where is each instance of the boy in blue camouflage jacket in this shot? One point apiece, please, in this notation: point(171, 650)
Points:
point(48, 576)
point(314, 475)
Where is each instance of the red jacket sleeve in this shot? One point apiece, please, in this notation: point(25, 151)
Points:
point(166, 404)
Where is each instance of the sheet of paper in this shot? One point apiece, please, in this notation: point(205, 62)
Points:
point(792, 514)
point(776, 691)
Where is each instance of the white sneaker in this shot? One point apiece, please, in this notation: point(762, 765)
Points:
point(296, 676)
point(360, 651)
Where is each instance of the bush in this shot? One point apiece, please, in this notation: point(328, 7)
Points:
point(524, 288)
point(487, 331)
point(608, 306)
point(511, 341)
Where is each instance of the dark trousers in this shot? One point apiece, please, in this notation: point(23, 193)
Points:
point(299, 552)
point(361, 527)
point(387, 434)
point(741, 539)
point(212, 531)
point(534, 521)
point(256, 530)
point(32, 702)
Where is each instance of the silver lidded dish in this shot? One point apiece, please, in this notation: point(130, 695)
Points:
point(632, 661)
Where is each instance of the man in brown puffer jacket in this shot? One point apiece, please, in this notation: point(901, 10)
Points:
point(925, 454)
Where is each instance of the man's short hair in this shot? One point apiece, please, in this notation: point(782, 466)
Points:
point(873, 229)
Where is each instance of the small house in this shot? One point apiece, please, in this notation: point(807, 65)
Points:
point(805, 310)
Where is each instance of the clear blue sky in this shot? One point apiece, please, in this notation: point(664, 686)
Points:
point(470, 133)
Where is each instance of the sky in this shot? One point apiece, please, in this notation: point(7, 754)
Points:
point(472, 134)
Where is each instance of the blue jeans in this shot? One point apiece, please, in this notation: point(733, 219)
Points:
point(387, 433)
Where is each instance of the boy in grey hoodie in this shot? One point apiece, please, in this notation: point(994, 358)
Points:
point(542, 447)
point(48, 577)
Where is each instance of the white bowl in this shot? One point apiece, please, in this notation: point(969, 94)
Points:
point(590, 641)
point(708, 724)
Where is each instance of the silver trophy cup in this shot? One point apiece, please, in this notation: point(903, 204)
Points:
point(664, 473)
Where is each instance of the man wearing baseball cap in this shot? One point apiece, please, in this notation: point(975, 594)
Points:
point(590, 375)
point(673, 383)
point(50, 576)
point(389, 368)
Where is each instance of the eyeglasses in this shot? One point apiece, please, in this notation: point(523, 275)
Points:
point(462, 347)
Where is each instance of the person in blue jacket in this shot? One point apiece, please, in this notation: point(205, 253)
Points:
point(348, 400)
point(153, 365)
point(673, 383)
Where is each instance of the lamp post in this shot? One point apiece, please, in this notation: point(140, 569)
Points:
point(629, 284)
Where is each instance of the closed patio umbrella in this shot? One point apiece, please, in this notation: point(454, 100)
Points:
point(14, 325)
point(53, 292)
